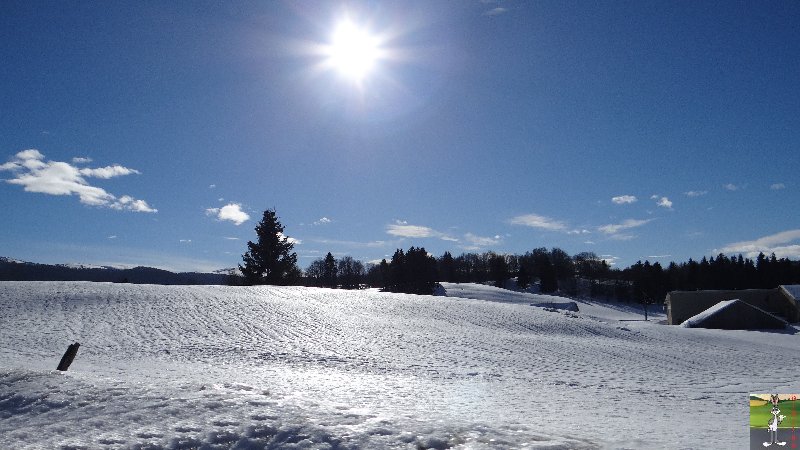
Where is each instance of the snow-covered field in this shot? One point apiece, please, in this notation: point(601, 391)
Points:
point(290, 367)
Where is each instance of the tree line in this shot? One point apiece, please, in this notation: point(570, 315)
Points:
point(270, 260)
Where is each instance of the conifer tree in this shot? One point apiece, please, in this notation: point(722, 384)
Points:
point(330, 271)
point(447, 267)
point(498, 269)
point(546, 272)
point(523, 277)
point(270, 260)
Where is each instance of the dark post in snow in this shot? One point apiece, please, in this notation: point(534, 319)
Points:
point(646, 301)
point(69, 355)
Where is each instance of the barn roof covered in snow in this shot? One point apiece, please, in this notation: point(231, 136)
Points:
point(793, 290)
point(734, 315)
point(780, 302)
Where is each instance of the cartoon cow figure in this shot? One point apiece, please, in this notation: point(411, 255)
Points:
point(773, 423)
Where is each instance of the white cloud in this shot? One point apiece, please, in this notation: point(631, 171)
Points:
point(581, 231)
point(231, 212)
point(108, 172)
point(322, 221)
point(79, 160)
point(30, 154)
point(625, 225)
point(231, 238)
point(410, 231)
point(777, 186)
point(785, 244)
point(695, 193)
point(664, 202)
point(401, 229)
point(61, 178)
point(731, 187)
point(495, 11)
point(289, 239)
point(185, 241)
point(212, 186)
point(624, 199)
point(373, 244)
point(537, 221)
point(113, 236)
point(479, 241)
point(622, 237)
point(130, 203)
point(611, 260)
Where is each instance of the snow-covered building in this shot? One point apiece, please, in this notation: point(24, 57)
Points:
point(781, 302)
point(734, 315)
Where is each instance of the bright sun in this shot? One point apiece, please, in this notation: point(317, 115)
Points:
point(353, 51)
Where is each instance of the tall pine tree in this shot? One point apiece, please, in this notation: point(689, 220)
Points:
point(329, 273)
point(270, 260)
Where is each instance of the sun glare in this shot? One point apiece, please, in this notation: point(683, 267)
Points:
point(353, 51)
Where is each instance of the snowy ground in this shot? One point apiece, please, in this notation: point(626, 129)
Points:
point(288, 367)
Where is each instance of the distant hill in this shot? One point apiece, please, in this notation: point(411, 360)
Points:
point(14, 270)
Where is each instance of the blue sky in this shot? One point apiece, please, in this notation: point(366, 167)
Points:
point(155, 133)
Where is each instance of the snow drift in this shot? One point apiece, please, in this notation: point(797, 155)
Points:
point(491, 293)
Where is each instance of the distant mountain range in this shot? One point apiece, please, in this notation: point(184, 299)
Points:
point(14, 270)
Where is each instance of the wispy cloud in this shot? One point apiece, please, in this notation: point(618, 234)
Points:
point(537, 221)
point(662, 202)
point(230, 238)
point(480, 241)
point(496, 11)
point(579, 231)
point(402, 229)
point(785, 244)
point(322, 221)
point(695, 193)
point(81, 160)
point(777, 186)
point(371, 244)
point(108, 172)
point(185, 241)
point(614, 229)
point(624, 199)
point(622, 237)
point(731, 187)
point(61, 178)
point(411, 231)
point(231, 212)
